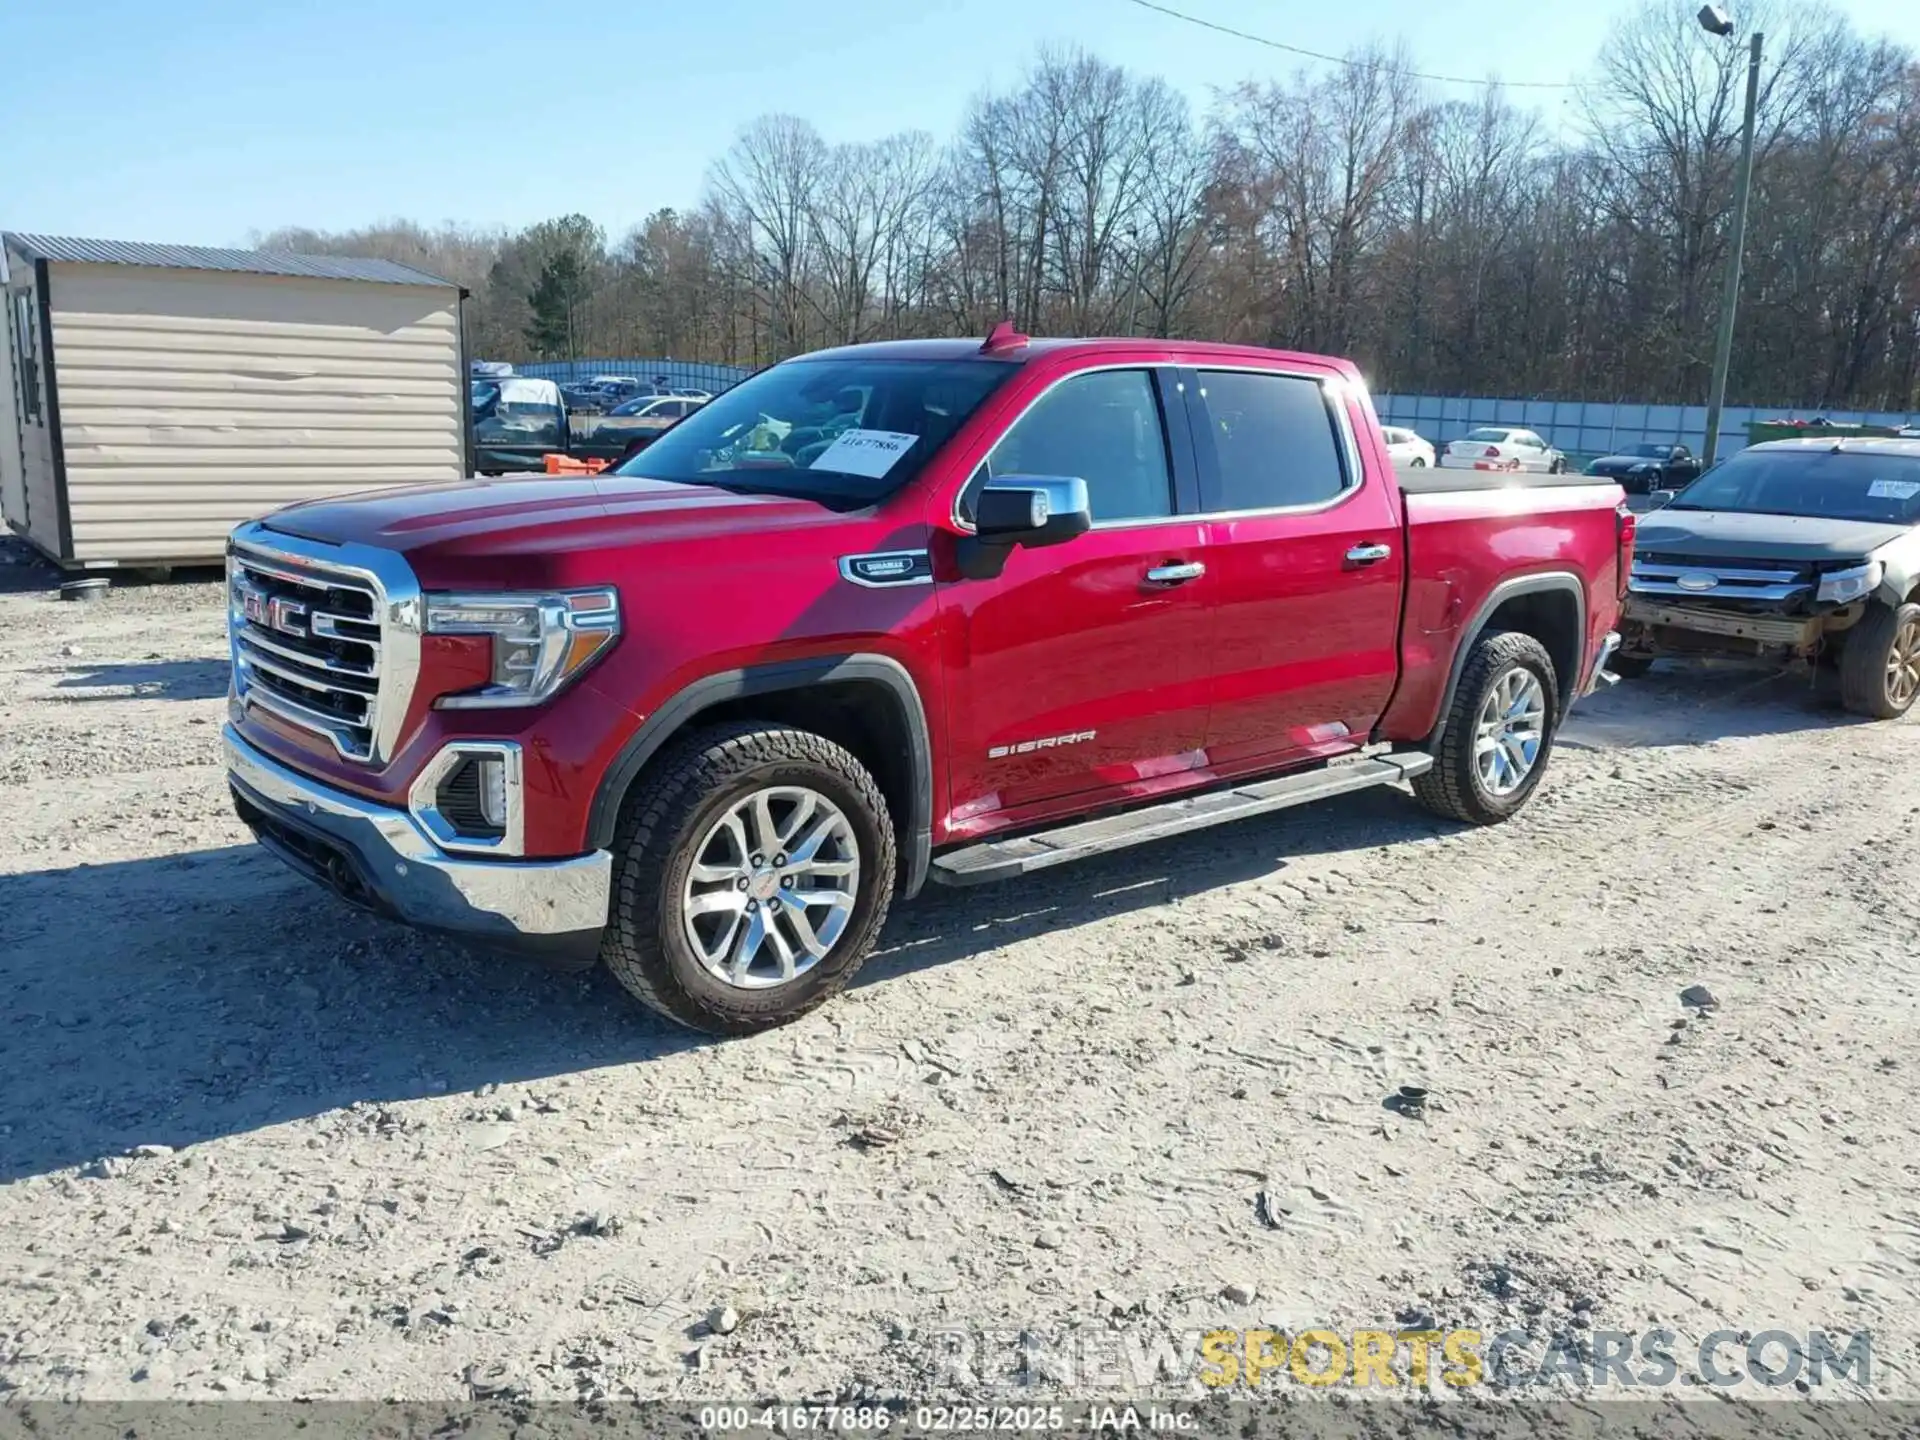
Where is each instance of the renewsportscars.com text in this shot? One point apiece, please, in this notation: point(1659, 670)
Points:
point(1224, 1361)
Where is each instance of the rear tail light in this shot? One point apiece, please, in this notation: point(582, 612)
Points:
point(1493, 452)
point(1626, 527)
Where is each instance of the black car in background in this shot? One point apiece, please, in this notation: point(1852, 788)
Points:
point(1642, 469)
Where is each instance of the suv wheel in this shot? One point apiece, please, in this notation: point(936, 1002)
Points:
point(753, 869)
point(1498, 733)
point(1880, 662)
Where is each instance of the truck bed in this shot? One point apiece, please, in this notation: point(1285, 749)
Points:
point(1468, 542)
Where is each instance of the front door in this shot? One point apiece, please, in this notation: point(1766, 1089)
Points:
point(1306, 551)
point(1084, 666)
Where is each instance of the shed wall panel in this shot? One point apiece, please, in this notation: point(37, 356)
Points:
point(193, 400)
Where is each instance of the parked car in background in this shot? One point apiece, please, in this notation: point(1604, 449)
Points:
point(925, 609)
point(630, 428)
point(1407, 448)
point(1642, 469)
point(1806, 548)
point(1502, 447)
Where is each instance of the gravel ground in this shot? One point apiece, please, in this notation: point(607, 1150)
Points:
point(253, 1143)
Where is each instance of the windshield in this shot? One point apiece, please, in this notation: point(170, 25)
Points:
point(1652, 452)
point(1497, 437)
point(847, 432)
point(1825, 484)
point(634, 406)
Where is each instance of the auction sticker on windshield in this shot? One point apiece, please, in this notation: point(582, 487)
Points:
point(1893, 489)
point(871, 453)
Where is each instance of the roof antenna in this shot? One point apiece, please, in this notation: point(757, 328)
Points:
point(1003, 337)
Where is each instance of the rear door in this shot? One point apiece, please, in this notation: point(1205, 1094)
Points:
point(1083, 666)
point(1305, 546)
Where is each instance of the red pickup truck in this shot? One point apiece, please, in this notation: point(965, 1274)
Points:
point(880, 614)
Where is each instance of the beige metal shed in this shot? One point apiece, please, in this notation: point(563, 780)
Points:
point(162, 394)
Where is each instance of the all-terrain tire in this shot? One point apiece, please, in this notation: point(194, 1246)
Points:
point(1865, 685)
point(675, 803)
point(1453, 786)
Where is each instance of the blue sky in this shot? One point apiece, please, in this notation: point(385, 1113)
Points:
point(200, 121)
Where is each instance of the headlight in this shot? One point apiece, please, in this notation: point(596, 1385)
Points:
point(540, 642)
point(1842, 586)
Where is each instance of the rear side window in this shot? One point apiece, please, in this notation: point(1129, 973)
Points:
point(1103, 427)
point(1275, 440)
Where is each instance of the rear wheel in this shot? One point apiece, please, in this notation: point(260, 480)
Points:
point(1880, 662)
point(1417, 463)
point(1498, 733)
point(753, 869)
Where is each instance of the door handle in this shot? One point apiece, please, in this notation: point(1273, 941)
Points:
point(1368, 553)
point(1176, 574)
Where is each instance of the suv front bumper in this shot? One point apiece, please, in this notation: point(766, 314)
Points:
point(380, 859)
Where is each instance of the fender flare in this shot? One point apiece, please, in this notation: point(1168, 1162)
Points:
point(710, 690)
point(1545, 582)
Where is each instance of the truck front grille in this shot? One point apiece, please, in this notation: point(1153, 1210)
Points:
point(307, 647)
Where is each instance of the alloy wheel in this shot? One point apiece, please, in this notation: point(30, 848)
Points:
point(1510, 731)
point(772, 887)
point(1903, 664)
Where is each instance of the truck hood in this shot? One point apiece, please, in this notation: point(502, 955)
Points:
point(1727, 534)
point(541, 514)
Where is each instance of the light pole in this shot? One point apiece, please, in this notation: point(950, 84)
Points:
point(1715, 22)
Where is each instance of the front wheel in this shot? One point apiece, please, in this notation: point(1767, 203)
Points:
point(1417, 463)
point(1498, 732)
point(1880, 662)
point(753, 869)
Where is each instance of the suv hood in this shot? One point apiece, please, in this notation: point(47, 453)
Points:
point(542, 515)
point(1727, 534)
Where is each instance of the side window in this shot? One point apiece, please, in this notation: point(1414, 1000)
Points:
point(1275, 439)
point(1103, 427)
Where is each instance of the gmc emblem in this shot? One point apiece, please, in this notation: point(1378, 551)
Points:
point(274, 612)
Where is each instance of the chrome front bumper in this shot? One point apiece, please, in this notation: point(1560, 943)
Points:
point(380, 858)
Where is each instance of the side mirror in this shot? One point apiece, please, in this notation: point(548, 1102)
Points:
point(1032, 510)
point(1660, 499)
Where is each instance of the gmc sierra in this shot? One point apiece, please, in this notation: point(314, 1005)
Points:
point(930, 609)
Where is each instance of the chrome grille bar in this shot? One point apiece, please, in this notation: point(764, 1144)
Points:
point(371, 671)
point(318, 684)
point(1654, 575)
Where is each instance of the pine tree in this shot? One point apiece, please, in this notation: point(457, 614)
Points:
point(554, 298)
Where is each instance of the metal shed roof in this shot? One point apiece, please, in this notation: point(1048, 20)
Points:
point(201, 257)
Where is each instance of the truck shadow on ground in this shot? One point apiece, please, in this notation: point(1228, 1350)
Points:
point(1692, 702)
point(176, 1000)
point(145, 680)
